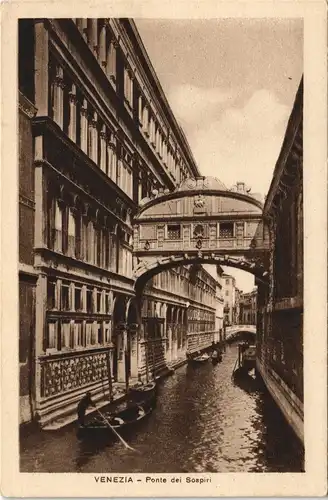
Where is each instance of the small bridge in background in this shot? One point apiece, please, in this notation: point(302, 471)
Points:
point(235, 332)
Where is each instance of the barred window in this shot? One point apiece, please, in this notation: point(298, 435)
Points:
point(174, 232)
point(226, 230)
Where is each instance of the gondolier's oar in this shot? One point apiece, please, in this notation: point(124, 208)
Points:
point(234, 368)
point(114, 430)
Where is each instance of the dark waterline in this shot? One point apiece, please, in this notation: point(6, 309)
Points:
point(203, 422)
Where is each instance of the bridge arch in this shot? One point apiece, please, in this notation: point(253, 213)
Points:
point(201, 222)
point(146, 269)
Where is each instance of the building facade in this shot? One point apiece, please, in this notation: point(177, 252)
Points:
point(229, 296)
point(97, 138)
point(236, 308)
point(280, 302)
point(248, 308)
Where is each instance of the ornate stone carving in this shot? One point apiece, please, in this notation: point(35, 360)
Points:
point(63, 375)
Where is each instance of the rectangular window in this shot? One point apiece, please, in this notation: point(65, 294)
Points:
point(78, 298)
point(52, 335)
point(94, 333)
point(65, 335)
point(89, 301)
point(227, 292)
point(100, 333)
point(128, 86)
point(88, 330)
point(71, 234)
point(107, 333)
point(65, 297)
point(226, 230)
point(58, 227)
point(174, 232)
point(78, 336)
point(91, 236)
point(51, 294)
point(107, 303)
point(66, 108)
point(99, 308)
point(98, 246)
point(84, 242)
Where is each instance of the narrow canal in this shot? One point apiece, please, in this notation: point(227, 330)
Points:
point(203, 422)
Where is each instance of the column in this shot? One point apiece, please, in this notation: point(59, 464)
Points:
point(72, 122)
point(102, 48)
point(140, 108)
point(134, 353)
point(121, 348)
point(40, 198)
point(94, 36)
point(84, 126)
point(103, 156)
point(40, 328)
point(84, 25)
point(94, 138)
point(169, 351)
point(41, 73)
point(111, 60)
point(59, 96)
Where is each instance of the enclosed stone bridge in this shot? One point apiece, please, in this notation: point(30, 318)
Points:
point(200, 222)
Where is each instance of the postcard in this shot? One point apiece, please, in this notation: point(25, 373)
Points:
point(164, 258)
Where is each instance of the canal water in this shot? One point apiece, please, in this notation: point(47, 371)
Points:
point(203, 422)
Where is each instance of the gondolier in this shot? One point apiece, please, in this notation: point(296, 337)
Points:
point(85, 402)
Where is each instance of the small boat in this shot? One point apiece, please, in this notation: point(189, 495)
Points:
point(200, 359)
point(246, 360)
point(216, 357)
point(121, 421)
point(143, 392)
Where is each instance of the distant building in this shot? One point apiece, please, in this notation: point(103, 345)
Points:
point(229, 294)
point(248, 308)
point(217, 273)
point(236, 308)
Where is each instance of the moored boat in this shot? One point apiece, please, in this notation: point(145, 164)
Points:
point(143, 392)
point(200, 359)
point(246, 360)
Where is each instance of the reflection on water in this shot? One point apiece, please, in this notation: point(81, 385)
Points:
point(204, 421)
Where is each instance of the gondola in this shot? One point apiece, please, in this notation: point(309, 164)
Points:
point(143, 392)
point(199, 359)
point(122, 422)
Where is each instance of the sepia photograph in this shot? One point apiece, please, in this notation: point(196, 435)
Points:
point(160, 248)
point(151, 167)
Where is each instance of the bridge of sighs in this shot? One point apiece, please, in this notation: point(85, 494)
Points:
point(200, 222)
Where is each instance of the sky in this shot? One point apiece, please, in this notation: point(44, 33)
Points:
point(231, 84)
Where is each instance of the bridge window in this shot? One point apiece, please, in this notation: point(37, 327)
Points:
point(174, 232)
point(226, 230)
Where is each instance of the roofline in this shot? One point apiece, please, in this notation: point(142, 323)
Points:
point(155, 81)
point(192, 192)
point(289, 137)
